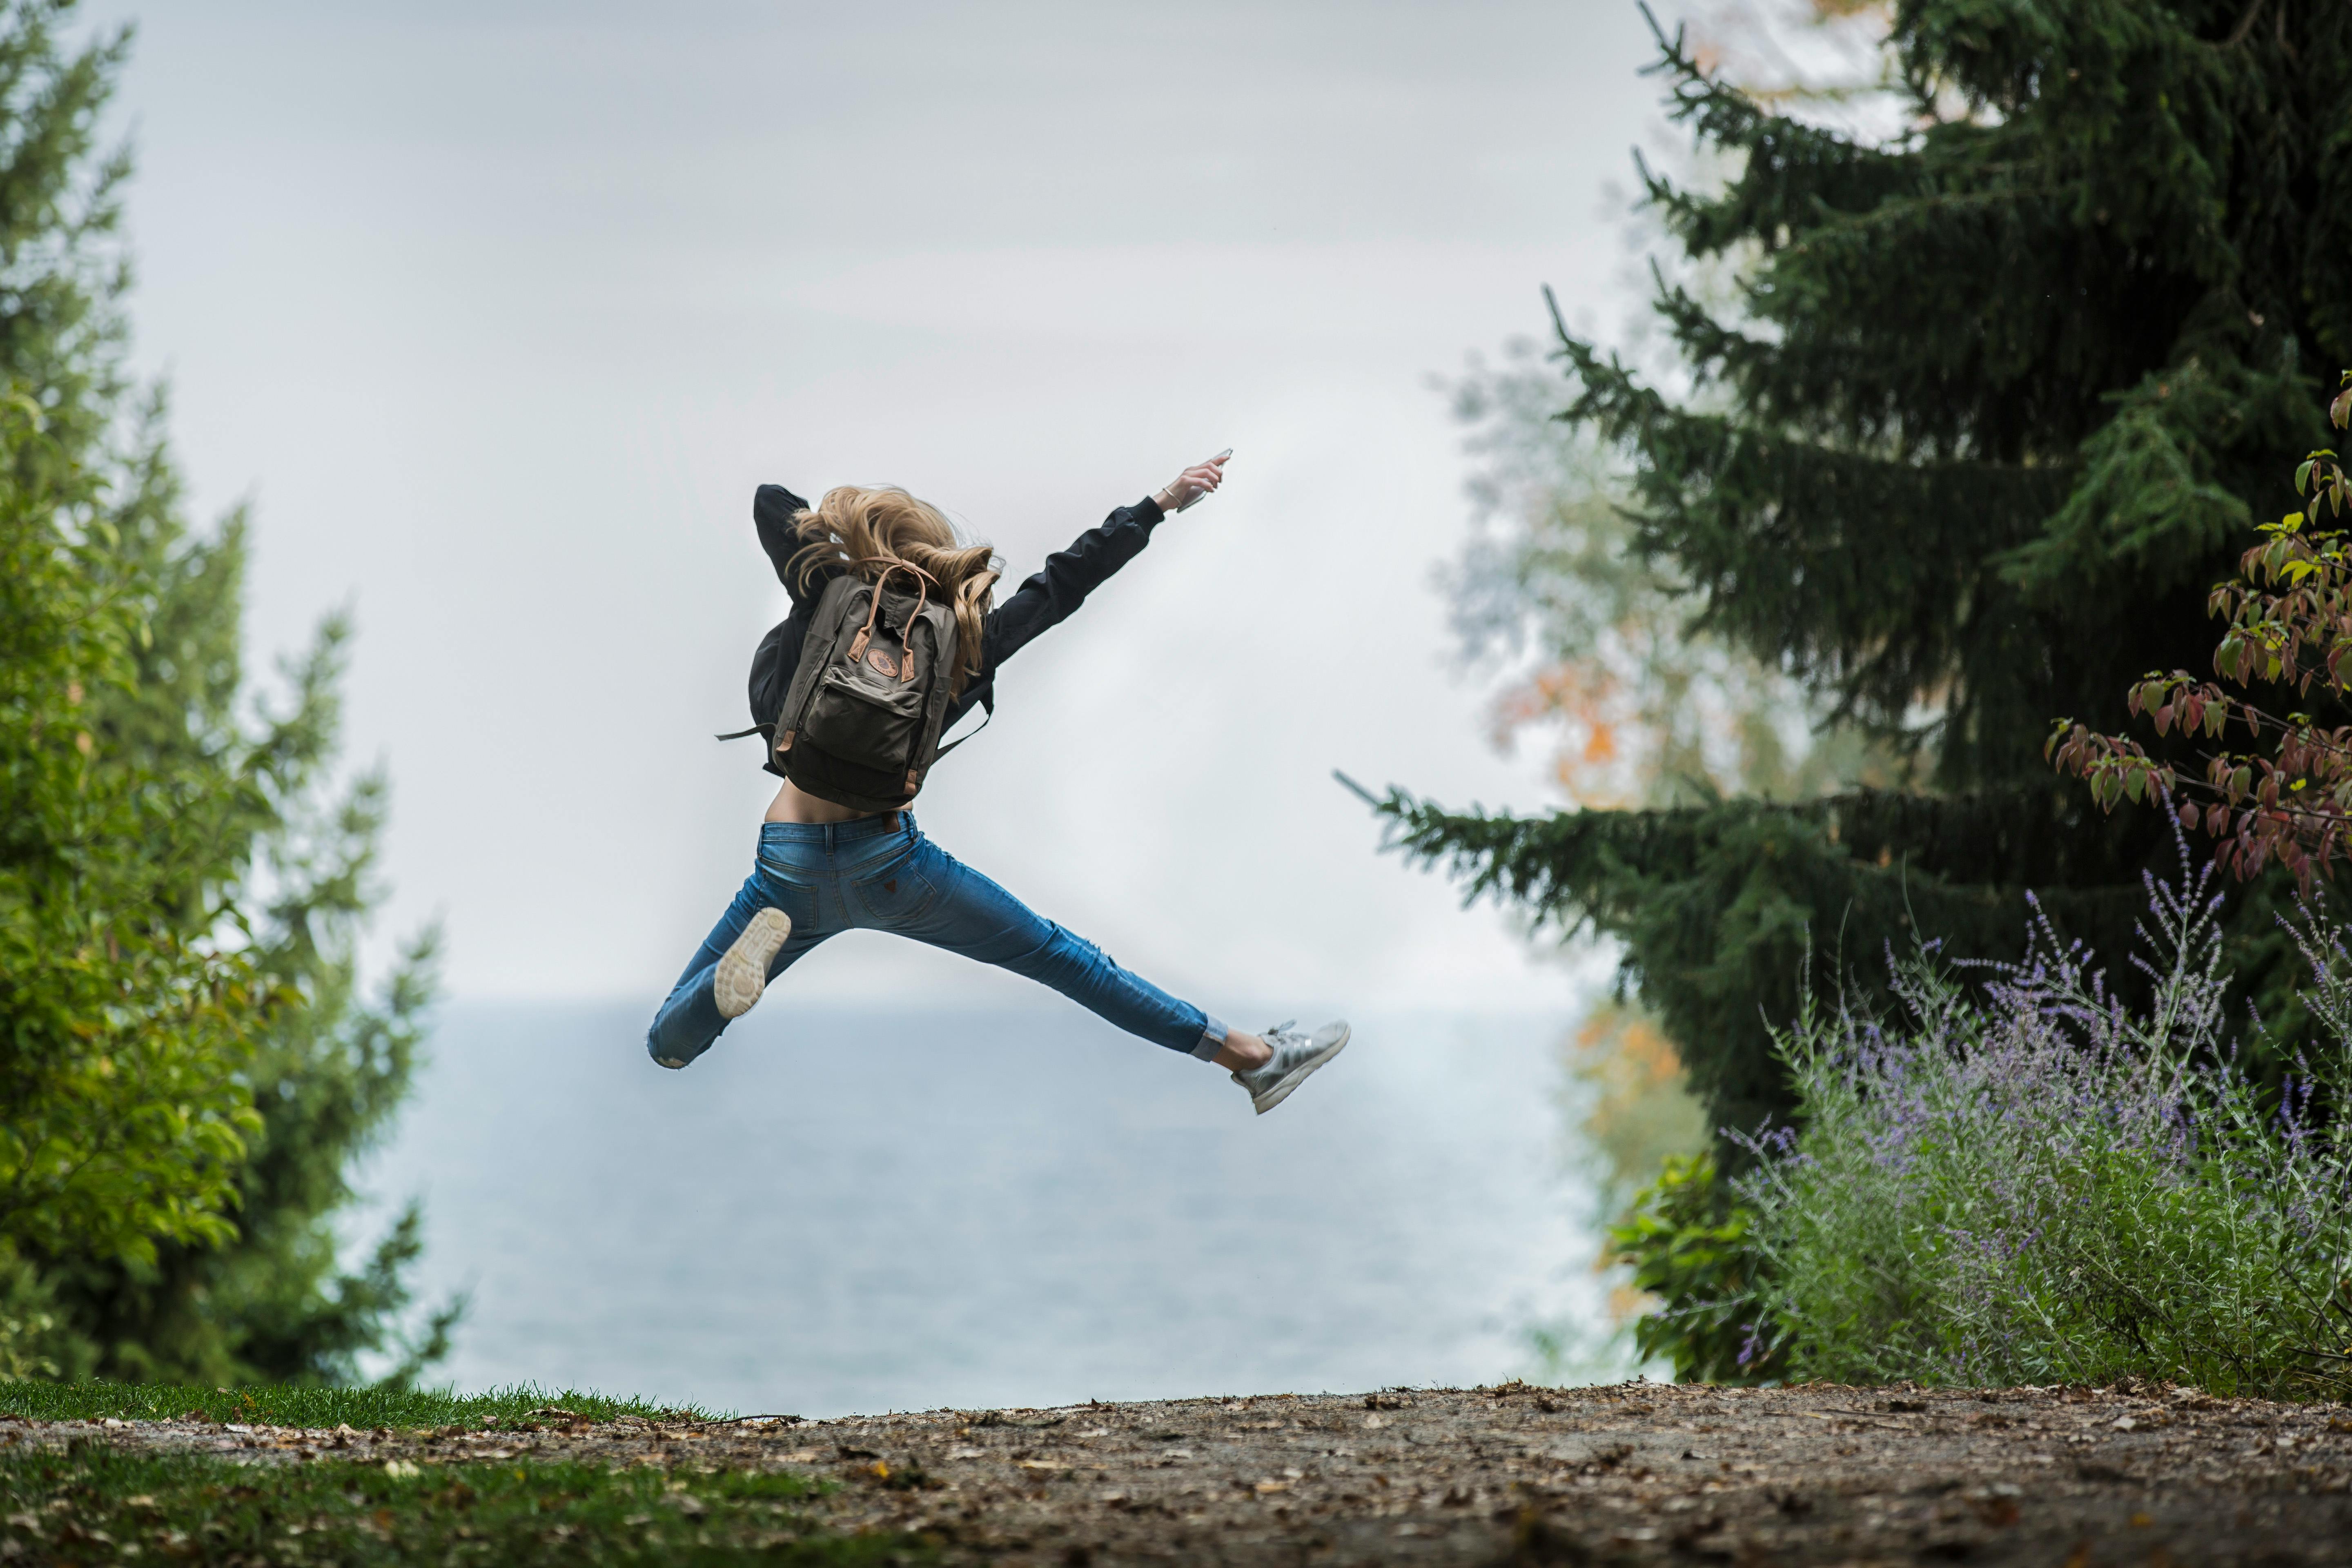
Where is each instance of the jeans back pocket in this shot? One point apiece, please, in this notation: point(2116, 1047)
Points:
point(894, 894)
point(791, 886)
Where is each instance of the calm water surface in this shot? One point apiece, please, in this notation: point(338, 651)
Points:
point(842, 1210)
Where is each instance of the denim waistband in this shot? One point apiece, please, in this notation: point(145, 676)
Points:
point(831, 834)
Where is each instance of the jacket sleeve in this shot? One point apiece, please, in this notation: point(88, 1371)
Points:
point(1047, 598)
point(773, 508)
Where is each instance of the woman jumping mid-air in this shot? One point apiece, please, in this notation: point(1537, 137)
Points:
point(891, 639)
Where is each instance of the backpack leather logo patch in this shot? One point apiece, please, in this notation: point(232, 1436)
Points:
point(882, 662)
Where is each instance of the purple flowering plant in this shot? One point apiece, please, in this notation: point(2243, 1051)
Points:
point(2026, 1180)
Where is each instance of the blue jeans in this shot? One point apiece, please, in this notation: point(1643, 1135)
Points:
point(881, 874)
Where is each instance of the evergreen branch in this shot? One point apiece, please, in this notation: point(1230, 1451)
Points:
point(1719, 906)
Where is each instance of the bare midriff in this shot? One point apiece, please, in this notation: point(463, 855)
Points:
point(793, 805)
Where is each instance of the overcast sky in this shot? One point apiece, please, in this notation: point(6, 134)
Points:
point(499, 314)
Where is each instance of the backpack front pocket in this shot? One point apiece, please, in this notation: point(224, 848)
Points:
point(873, 723)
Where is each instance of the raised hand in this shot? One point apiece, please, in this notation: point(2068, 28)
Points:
point(1193, 483)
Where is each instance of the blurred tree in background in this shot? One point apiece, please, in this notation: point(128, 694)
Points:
point(1997, 395)
point(1639, 709)
point(186, 1071)
point(1635, 713)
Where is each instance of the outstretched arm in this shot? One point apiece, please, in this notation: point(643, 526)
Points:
point(1048, 596)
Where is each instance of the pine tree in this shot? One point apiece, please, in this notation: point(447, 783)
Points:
point(2001, 397)
point(185, 1071)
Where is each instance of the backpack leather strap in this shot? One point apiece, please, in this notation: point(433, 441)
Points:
point(923, 583)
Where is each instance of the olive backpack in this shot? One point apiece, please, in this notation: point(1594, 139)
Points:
point(860, 723)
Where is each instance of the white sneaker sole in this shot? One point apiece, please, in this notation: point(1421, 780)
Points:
point(1297, 1075)
point(743, 972)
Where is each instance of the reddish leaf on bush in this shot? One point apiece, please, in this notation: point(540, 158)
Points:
point(2289, 614)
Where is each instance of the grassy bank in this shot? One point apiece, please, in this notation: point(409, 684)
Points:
point(359, 1407)
point(92, 1501)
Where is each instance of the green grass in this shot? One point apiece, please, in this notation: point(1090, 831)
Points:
point(92, 1503)
point(363, 1408)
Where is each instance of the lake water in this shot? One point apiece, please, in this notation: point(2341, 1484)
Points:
point(847, 1210)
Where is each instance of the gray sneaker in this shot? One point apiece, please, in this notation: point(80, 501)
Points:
point(1294, 1056)
point(743, 970)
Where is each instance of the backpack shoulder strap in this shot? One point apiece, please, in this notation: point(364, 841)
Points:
point(988, 705)
point(940, 622)
point(836, 589)
point(834, 609)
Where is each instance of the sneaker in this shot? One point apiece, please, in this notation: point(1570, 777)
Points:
point(1294, 1056)
point(743, 972)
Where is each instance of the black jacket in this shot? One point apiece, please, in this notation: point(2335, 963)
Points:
point(1044, 600)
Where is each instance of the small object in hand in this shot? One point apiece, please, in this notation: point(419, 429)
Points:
point(1196, 500)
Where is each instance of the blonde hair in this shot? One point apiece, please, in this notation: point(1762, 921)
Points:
point(861, 530)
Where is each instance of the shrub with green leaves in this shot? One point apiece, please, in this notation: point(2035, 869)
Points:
point(187, 1064)
point(1695, 1252)
point(122, 1050)
point(2027, 1180)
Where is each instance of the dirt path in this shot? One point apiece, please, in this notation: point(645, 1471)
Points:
point(1636, 1474)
